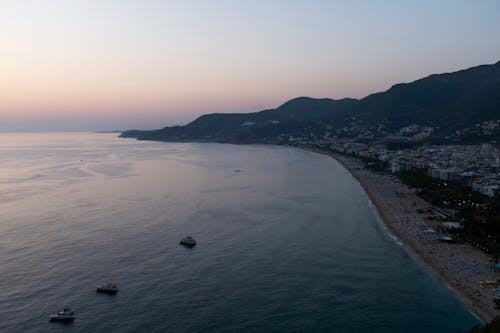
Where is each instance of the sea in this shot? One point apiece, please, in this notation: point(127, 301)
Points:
point(286, 242)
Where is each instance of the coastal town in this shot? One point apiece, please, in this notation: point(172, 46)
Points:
point(408, 148)
point(476, 166)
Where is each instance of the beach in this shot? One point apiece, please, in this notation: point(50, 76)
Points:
point(460, 266)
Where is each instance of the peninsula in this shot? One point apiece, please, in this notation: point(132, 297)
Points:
point(426, 153)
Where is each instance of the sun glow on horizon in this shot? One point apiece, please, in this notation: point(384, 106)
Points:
point(117, 63)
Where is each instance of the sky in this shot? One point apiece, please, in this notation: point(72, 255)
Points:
point(121, 64)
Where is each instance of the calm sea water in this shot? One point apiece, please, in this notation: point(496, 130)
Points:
point(287, 244)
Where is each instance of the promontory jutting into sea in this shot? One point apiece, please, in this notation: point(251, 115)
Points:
point(275, 235)
point(250, 166)
point(437, 135)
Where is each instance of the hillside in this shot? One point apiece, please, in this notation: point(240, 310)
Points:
point(463, 105)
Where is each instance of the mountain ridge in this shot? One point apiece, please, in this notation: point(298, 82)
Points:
point(446, 102)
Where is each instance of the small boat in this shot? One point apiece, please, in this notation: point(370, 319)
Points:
point(188, 241)
point(64, 315)
point(107, 288)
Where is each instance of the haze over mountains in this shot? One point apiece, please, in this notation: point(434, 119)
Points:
point(451, 107)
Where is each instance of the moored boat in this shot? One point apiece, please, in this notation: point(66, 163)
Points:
point(64, 315)
point(108, 288)
point(188, 241)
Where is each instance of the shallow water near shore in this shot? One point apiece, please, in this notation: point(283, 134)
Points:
point(287, 242)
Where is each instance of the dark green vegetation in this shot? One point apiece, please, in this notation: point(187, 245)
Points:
point(453, 104)
point(292, 118)
point(492, 327)
point(479, 214)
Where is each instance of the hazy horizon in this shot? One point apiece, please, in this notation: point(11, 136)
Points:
point(116, 65)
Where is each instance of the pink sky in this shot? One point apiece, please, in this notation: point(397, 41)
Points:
point(70, 65)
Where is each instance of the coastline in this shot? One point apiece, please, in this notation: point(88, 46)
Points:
point(459, 267)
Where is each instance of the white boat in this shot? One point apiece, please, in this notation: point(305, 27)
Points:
point(108, 288)
point(64, 315)
point(188, 241)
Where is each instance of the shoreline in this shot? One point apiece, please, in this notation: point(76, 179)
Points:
point(396, 205)
point(459, 267)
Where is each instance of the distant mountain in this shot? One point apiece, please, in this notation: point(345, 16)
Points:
point(239, 127)
point(451, 106)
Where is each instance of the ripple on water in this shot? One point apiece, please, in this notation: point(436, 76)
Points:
point(290, 244)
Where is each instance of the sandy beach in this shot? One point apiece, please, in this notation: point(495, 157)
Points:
point(459, 266)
